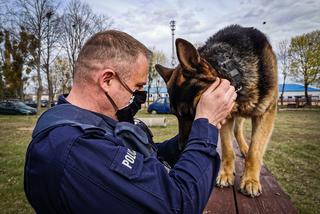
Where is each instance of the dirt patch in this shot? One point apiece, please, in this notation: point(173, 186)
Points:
point(25, 128)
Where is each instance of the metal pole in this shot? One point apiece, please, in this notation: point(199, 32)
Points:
point(173, 27)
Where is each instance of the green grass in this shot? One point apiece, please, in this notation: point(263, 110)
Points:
point(293, 156)
point(13, 144)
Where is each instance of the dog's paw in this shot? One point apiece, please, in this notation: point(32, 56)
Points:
point(250, 187)
point(244, 150)
point(225, 179)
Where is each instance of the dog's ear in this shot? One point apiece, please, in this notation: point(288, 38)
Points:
point(164, 72)
point(188, 55)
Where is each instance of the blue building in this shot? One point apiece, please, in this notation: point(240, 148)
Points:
point(294, 94)
point(155, 92)
point(292, 90)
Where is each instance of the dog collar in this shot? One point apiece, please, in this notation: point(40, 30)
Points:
point(231, 72)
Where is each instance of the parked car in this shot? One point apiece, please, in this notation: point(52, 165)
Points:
point(31, 103)
point(160, 106)
point(16, 107)
point(44, 103)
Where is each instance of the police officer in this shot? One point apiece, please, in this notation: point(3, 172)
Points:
point(87, 156)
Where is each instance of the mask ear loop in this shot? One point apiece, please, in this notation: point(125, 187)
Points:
point(112, 102)
point(123, 84)
point(126, 87)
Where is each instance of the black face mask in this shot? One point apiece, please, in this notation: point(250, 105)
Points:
point(127, 113)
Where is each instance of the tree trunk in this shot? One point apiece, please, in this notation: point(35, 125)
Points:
point(281, 96)
point(282, 90)
point(50, 90)
point(308, 101)
point(40, 89)
point(21, 91)
point(148, 100)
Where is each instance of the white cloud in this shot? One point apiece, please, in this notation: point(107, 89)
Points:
point(148, 21)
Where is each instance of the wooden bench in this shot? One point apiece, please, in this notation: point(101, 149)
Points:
point(229, 200)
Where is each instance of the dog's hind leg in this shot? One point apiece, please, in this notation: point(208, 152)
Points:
point(261, 131)
point(226, 174)
point(238, 133)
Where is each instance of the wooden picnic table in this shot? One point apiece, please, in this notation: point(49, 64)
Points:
point(229, 200)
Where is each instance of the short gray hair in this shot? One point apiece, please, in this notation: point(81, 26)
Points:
point(109, 48)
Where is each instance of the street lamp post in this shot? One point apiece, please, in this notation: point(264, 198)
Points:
point(173, 27)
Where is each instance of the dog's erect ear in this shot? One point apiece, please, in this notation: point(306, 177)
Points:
point(164, 72)
point(188, 55)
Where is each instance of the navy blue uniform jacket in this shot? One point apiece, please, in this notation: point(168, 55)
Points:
point(68, 170)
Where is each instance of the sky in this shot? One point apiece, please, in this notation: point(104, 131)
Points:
point(148, 20)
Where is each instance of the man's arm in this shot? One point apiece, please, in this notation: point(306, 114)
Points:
point(169, 150)
point(100, 176)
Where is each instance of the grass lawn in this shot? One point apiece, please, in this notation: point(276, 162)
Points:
point(293, 156)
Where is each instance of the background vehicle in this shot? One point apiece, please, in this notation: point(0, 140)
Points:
point(16, 107)
point(30, 103)
point(161, 105)
point(44, 103)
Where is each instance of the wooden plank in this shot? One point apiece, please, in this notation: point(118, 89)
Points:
point(221, 201)
point(273, 199)
point(230, 200)
point(245, 204)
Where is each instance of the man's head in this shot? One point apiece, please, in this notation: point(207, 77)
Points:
point(107, 61)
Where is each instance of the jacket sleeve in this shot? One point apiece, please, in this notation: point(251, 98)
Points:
point(101, 177)
point(169, 150)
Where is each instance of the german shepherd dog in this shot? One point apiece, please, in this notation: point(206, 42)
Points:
point(244, 57)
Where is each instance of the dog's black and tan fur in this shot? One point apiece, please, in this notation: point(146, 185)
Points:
point(253, 57)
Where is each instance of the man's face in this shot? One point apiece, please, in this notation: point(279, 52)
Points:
point(136, 81)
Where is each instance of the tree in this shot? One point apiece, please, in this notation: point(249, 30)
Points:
point(15, 56)
point(1, 64)
point(61, 76)
point(32, 15)
point(304, 54)
point(79, 23)
point(52, 36)
point(283, 58)
point(158, 57)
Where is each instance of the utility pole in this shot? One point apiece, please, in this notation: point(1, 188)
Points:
point(173, 27)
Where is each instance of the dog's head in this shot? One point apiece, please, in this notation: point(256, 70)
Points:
point(185, 85)
point(187, 81)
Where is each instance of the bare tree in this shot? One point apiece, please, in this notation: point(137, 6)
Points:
point(51, 41)
point(61, 76)
point(32, 14)
point(79, 22)
point(283, 57)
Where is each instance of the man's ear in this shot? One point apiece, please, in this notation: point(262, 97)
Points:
point(105, 78)
point(188, 55)
point(164, 72)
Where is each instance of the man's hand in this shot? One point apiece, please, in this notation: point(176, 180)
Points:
point(216, 102)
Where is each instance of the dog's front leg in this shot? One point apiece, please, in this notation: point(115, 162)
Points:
point(238, 133)
point(261, 131)
point(227, 170)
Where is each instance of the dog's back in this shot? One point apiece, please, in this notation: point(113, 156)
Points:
point(251, 54)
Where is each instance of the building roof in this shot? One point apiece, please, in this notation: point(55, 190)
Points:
point(292, 87)
point(153, 90)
